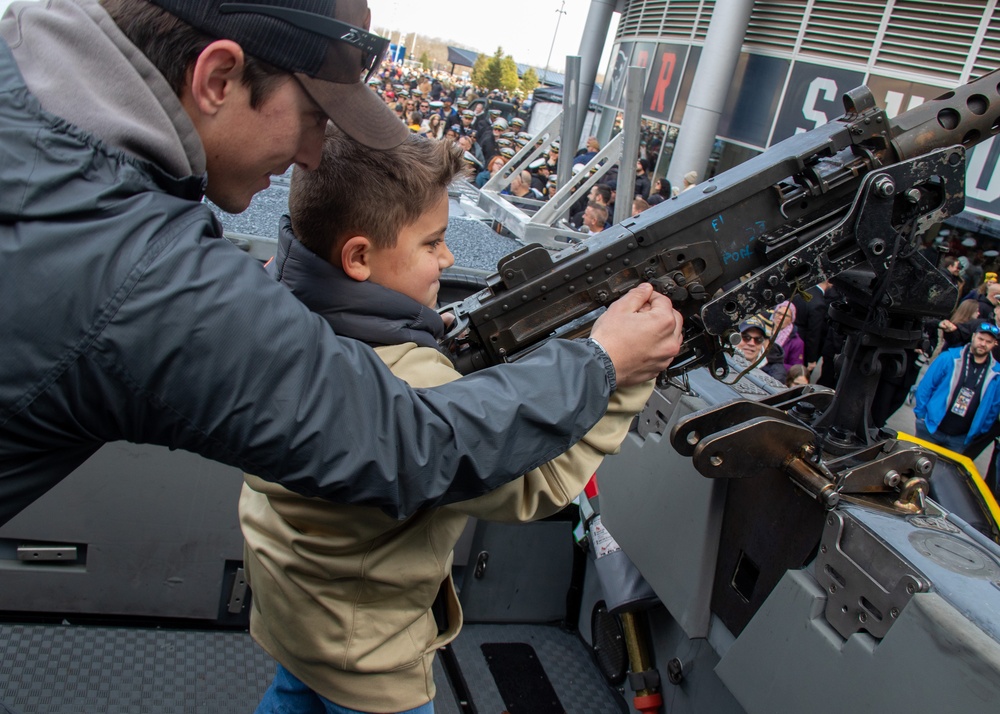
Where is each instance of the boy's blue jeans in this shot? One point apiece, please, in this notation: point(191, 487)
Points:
point(288, 695)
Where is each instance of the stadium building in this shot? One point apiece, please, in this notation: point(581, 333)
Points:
point(796, 59)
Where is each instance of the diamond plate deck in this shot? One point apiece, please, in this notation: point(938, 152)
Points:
point(565, 658)
point(76, 669)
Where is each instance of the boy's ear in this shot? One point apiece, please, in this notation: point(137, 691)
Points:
point(354, 258)
point(214, 74)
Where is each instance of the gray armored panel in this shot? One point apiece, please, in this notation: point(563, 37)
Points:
point(790, 659)
point(136, 530)
point(518, 572)
point(667, 517)
point(662, 512)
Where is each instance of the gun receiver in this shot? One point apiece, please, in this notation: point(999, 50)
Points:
point(845, 201)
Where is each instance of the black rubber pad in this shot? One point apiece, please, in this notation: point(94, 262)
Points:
point(521, 679)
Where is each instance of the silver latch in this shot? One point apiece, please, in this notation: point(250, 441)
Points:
point(869, 597)
point(30, 553)
point(238, 595)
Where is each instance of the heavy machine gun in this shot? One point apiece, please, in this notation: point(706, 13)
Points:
point(845, 202)
point(846, 199)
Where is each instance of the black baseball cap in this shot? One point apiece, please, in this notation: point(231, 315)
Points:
point(324, 44)
point(989, 328)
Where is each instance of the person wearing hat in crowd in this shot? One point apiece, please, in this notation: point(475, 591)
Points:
point(488, 140)
point(958, 398)
point(690, 181)
point(453, 132)
point(754, 335)
point(540, 173)
point(448, 111)
point(467, 141)
point(467, 117)
point(552, 156)
point(158, 330)
point(551, 187)
point(481, 119)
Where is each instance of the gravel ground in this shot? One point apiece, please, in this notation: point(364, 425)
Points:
point(473, 242)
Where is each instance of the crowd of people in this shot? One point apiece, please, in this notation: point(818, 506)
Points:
point(956, 399)
point(490, 126)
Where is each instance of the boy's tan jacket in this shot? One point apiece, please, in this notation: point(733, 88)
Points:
point(342, 594)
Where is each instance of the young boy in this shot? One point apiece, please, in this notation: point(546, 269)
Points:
point(342, 595)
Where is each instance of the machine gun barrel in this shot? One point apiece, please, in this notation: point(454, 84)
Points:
point(846, 198)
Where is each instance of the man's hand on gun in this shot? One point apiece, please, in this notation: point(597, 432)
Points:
point(641, 332)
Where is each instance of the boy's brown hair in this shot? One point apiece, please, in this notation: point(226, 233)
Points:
point(358, 191)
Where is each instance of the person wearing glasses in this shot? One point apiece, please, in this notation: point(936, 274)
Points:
point(753, 341)
point(958, 398)
point(127, 316)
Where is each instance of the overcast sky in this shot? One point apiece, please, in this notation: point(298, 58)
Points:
point(524, 28)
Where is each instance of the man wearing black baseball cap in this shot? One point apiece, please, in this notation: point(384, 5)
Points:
point(332, 57)
point(127, 317)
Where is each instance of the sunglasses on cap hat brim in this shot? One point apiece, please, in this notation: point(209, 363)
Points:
point(373, 48)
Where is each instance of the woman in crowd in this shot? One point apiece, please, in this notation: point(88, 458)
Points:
point(414, 121)
point(492, 166)
point(957, 329)
point(660, 192)
point(433, 126)
point(796, 376)
point(786, 334)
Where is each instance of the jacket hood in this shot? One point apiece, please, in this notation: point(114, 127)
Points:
point(54, 170)
point(361, 310)
point(81, 67)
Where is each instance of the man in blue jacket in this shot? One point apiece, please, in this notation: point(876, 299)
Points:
point(958, 398)
point(127, 316)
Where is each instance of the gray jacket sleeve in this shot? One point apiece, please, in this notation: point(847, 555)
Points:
point(228, 364)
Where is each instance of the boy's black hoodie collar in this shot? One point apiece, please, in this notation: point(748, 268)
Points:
point(361, 310)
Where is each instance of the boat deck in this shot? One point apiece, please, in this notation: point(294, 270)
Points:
point(91, 669)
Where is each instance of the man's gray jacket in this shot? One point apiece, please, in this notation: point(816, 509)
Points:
point(126, 315)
